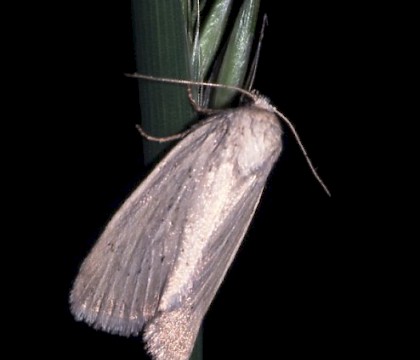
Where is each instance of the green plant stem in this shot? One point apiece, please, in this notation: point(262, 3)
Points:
point(161, 48)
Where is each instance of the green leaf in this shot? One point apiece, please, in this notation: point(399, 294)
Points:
point(211, 35)
point(234, 66)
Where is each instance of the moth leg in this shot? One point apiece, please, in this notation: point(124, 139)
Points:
point(196, 106)
point(163, 138)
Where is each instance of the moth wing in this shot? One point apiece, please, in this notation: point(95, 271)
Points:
point(219, 218)
point(222, 253)
point(171, 334)
point(119, 284)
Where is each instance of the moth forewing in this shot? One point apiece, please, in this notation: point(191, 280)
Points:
point(162, 257)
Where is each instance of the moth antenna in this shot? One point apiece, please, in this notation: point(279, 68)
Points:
point(302, 148)
point(247, 93)
point(254, 97)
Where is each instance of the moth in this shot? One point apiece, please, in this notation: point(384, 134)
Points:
point(161, 259)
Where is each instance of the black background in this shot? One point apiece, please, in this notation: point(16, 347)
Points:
point(299, 285)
